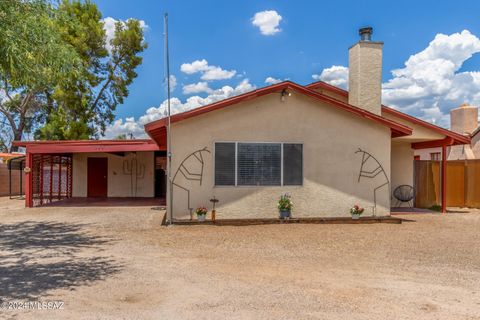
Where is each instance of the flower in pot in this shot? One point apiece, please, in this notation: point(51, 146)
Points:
point(285, 206)
point(356, 211)
point(201, 213)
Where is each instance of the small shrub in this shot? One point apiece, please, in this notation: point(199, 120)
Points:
point(285, 203)
point(356, 210)
point(201, 211)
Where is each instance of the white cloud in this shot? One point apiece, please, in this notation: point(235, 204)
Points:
point(129, 126)
point(267, 21)
point(208, 72)
point(272, 80)
point(194, 67)
point(196, 88)
point(109, 26)
point(173, 82)
point(335, 75)
point(176, 106)
point(429, 84)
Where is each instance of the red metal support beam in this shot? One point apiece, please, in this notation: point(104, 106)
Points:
point(59, 177)
point(41, 179)
point(28, 181)
point(433, 144)
point(70, 177)
point(51, 180)
point(444, 178)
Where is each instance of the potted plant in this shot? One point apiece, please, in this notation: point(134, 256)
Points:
point(201, 213)
point(356, 211)
point(285, 206)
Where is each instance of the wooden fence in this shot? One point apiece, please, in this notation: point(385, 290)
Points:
point(463, 183)
point(4, 181)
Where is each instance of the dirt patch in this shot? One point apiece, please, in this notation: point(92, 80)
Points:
point(119, 263)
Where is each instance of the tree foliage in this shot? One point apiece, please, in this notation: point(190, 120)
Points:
point(61, 76)
point(33, 57)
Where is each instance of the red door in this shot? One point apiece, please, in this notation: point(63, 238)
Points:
point(97, 177)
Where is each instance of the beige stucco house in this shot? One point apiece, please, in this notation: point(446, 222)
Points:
point(328, 148)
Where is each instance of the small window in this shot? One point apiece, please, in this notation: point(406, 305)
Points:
point(436, 156)
point(225, 164)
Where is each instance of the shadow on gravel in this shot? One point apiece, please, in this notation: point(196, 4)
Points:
point(39, 256)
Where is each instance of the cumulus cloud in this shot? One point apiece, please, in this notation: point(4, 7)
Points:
point(176, 106)
point(267, 21)
point(109, 26)
point(208, 72)
point(335, 75)
point(272, 80)
point(196, 88)
point(430, 83)
point(129, 126)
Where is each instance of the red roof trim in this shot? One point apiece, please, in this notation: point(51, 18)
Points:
point(327, 86)
point(459, 139)
point(397, 129)
point(82, 146)
point(448, 141)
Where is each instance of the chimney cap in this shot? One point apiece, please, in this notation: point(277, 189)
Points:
point(365, 33)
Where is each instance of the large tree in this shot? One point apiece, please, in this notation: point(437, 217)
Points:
point(59, 74)
point(84, 104)
point(33, 58)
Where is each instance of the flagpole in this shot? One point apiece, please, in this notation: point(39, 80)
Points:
point(169, 137)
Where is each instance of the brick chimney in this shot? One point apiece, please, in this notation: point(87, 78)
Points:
point(365, 73)
point(464, 119)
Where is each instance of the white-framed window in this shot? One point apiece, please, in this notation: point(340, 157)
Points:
point(258, 164)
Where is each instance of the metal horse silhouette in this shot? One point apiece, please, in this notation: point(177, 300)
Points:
point(378, 170)
point(189, 174)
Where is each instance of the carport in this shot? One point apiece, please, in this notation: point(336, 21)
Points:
point(90, 170)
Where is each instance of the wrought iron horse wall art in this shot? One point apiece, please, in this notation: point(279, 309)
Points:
point(371, 168)
point(191, 169)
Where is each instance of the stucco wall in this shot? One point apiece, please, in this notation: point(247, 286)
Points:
point(120, 184)
point(402, 164)
point(330, 139)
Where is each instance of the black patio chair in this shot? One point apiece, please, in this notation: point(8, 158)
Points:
point(404, 194)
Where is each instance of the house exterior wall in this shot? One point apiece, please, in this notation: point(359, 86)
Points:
point(120, 184)
point(330, 139)
point(402, 164)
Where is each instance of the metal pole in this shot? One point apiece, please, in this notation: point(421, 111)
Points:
point(169, 137)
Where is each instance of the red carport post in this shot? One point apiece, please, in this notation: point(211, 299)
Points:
point(444, 178)
point(28, 181)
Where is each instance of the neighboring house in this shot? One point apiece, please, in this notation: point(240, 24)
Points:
point(463, 120)
point(328, 148)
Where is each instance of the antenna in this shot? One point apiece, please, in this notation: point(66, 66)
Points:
point(169, 137)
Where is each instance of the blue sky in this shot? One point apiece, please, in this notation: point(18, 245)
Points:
point(312, 36)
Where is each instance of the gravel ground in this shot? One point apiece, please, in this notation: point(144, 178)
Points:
point(118, 263)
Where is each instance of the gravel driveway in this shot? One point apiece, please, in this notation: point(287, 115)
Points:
point(118, 263)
